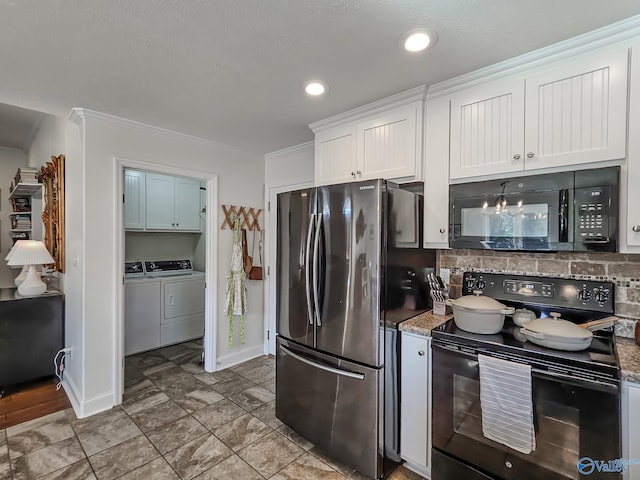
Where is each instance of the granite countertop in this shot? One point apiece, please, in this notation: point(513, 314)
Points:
point(629, 355)
point(423, 324)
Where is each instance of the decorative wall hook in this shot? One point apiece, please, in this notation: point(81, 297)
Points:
point(249, 217)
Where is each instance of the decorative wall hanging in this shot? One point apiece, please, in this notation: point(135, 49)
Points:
point(53, 214)
point(236, 297)
point(249, 217)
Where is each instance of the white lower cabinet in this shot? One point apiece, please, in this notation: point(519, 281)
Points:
point(415, 402)
point(162, 312)
point(631, 428)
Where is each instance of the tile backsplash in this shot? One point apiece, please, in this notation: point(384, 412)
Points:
point(621, 269)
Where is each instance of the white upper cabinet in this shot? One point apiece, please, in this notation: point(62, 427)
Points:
point(487, 129)
point(566, 113)
point(173, 203)
point(381, 140)
point(337, 149)
point(134, 200)
point(390, 143)
point(436, 174)
point(187, 203)
point(576, 112)
point(630, 173)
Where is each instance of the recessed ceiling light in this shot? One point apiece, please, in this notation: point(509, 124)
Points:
point(315, 87)
point(418, 40)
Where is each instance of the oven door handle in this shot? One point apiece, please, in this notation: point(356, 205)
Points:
point(591, 384)
point(601, 385)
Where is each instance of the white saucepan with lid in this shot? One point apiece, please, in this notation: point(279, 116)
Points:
point(479, 314)
point(557, 333)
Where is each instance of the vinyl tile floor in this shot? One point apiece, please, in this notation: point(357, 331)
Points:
point(176, 422)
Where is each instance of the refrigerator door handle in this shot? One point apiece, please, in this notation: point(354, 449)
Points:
point(308, 268)
point(316, 292)
point(337, 371)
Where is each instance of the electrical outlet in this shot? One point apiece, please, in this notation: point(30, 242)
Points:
point(445, 274)
point(68, 352)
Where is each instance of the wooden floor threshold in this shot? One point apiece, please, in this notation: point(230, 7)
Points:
point(31, 401)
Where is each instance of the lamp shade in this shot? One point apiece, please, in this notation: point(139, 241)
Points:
point(29, 252)
point(15, 245)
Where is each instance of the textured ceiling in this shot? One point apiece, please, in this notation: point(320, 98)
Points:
point(231, 70)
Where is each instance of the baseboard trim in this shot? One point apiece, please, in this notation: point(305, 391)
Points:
point(86, 408)
point(235, 358)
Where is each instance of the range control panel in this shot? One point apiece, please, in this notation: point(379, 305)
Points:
point(559, 292)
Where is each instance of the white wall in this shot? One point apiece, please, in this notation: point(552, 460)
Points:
point(144, 246)
point(284, 169)
point(10, 160)
point(290, 165)
point(103, 139)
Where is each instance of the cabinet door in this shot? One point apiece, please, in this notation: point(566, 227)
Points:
point(631, 428)
point(436, 175)
point(134, 200)
point(187, 204)
point(630, 182)
point(390, 145)
point(335, 155)
point(415, 386)
point(576, 111)
point(160, 202)
point(141, 317)
point(487, 130)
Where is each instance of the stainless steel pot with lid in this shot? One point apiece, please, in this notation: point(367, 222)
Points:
point(479, 314)
point(557, 333)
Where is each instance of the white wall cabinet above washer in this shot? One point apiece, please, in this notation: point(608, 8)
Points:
point(134, 200)
point(172, 203)
point(372, 142)
point(566, 113)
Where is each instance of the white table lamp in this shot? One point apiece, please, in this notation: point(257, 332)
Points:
point(23, 272)
point(30, 253)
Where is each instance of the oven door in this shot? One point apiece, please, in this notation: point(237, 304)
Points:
point(513, 221)
point(574, 420)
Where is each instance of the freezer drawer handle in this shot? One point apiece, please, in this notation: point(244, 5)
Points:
point(344, 373)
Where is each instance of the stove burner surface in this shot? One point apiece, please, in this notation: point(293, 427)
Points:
point(559, 295)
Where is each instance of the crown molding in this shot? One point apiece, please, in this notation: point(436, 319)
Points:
point(289, 150)
point(79, 114)
point(603, 37)
point(397, 100)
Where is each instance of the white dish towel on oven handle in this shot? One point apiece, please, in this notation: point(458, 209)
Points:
point(506, 403)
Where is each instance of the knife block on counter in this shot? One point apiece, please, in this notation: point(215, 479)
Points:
point(441, 308)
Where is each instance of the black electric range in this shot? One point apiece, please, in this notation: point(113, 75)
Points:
point(576, 300)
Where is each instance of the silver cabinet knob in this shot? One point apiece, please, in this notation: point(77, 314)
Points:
point(421, 353)
point(353, 174)
point(530, 155)
point(359, 172)
point(516, 156)
point(636, 228)
point(177, 224)
point(442, 230)
point(173, 224)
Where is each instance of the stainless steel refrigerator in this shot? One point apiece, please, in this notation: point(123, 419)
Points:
point(339, 301)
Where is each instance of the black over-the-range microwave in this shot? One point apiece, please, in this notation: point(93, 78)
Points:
point(571, 211)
